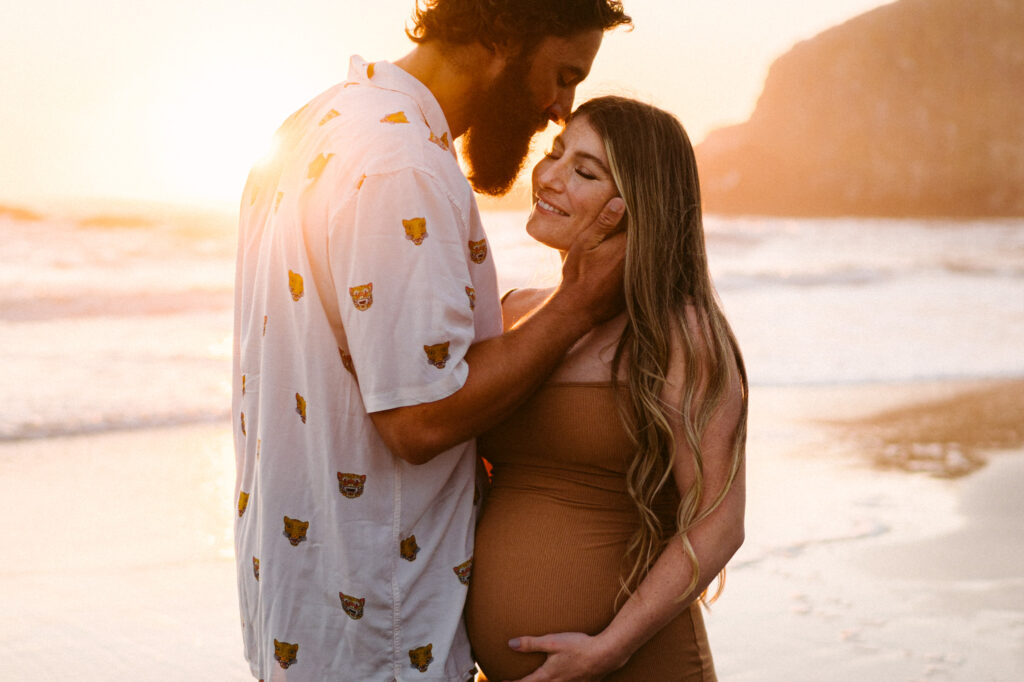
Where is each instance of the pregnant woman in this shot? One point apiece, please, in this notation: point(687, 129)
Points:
point(618, 488)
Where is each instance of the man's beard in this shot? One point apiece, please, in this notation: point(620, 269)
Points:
point(502, 124)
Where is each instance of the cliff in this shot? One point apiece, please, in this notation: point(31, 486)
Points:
point(912, 109)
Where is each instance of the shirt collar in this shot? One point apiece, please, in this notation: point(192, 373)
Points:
point(387, 76)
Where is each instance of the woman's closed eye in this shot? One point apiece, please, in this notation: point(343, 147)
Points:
point(584, 173)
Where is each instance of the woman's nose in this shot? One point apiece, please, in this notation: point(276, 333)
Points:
point(549, 175)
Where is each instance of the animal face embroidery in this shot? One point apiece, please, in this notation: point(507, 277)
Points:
point(295, 285)
point(478, 251)
point(351, 485)
point(397, 117)
point(346, 362)
point(295, 530)
point(243, 502)
point(300, 407)
point(437, 355)
point(362, 296)
point(286, 654)
point(352, 606)
point(328, 116)
point(409, 549)
point(316, 168)
point(415, 230)
point(421, 657)
point(256, 567)
point(471, 293)
point(464, 570)
point(441, 142)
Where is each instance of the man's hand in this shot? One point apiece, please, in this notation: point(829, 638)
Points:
point(505, 370)
point(592, 271)
point(572, 657)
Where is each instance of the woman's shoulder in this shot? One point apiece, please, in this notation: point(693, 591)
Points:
point(517, 303)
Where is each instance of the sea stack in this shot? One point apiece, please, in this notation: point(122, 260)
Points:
point(912, 109)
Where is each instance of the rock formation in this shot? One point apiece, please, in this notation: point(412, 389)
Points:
point(912, 109)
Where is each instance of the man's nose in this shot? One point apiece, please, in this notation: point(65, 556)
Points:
point(562, 106)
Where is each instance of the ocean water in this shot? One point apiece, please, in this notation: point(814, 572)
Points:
point(107, 325)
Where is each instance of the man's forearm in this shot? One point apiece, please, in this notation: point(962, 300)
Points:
point(503, 372)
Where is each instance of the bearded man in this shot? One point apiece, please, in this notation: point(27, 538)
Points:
point(368, 347)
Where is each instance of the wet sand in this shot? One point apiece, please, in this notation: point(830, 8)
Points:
point(118, 557)
point(941, 434)
point(862, 563)
point(118, 546)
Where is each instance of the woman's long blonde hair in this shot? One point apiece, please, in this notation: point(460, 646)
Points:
point(666, 272)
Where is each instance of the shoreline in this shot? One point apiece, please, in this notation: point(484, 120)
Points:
point(122, 545)
point(865, 569)
point(943, 435)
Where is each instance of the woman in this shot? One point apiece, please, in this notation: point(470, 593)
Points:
point(618, 488)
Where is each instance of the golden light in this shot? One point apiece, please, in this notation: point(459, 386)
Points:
point(214, 125)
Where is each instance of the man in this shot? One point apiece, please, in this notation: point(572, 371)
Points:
point(368, 345)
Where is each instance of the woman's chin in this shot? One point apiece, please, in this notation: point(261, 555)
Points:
point(535, 228)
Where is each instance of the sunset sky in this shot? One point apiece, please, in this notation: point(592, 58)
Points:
point(173, 101)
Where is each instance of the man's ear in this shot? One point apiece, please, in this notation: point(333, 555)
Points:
point(508, 51)
point(494, 57)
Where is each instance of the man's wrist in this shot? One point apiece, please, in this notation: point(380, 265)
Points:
point(572, 314)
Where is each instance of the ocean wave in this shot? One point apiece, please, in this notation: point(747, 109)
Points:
point(843, 276)
point(986, 269)
point(42, 430)
point(862, 530)
point(838, 277)
point(105, 304)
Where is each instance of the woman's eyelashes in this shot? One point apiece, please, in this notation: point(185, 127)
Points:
point(555, 153)
point(580, 170)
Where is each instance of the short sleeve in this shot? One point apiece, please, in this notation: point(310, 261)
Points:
point(398, 254)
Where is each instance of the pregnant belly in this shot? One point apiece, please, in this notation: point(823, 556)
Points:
point(541, 565)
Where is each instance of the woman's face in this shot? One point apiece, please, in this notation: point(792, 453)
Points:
point(571, 185)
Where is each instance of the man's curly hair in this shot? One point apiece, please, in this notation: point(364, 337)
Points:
point(511, 22)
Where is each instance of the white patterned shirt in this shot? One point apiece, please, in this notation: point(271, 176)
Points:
point(363, 277)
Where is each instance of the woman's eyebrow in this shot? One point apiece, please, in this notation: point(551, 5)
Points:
point(599, 162)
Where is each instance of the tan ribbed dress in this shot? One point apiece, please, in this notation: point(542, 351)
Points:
point(551, 540)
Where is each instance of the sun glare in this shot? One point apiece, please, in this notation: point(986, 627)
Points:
point(213, 127)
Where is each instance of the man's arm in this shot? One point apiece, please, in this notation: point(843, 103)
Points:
point(505, 370)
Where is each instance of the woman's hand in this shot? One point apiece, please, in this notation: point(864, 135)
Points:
point(572, 657)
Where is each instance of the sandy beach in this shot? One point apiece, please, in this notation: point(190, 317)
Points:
point(857, 566)
point(858, 569)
